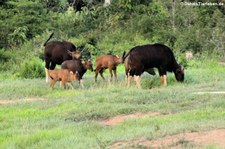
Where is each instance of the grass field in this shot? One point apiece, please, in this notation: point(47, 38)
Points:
point(70, 118)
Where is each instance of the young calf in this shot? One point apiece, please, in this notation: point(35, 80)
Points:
point(63, 75)
point(107, 61)
point(79, 66)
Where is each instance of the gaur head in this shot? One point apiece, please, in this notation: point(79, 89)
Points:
point(88, 64)
point(118, 59)
point(179, 73)
point(74, 54)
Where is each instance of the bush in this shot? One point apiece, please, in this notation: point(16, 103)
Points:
point(31, 69)
point(6, 58)
point(4, 55)
point(183, 61)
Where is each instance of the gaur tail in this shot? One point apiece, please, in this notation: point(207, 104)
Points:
point(125, 56)
point(48, 39)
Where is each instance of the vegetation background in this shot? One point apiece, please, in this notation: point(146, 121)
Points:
point(70, 119)
point(26, 24)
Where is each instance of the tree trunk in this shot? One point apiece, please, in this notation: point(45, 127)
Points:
point(173, 15)
point(107, 2)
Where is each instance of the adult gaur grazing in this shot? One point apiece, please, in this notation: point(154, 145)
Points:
point(56, 52)
point(79, 66)
point(145, 57)
point(107, 61)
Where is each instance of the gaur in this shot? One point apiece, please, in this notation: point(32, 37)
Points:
point(56, 52)
point(145, 57)
point(107, 61)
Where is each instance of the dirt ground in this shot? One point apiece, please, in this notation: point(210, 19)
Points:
point(3, 102)
point(121, 118)
point(183, 140)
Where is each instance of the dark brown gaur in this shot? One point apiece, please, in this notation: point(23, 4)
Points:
point(79, 66)
point(145, 57)
point(107, 61)
point(56, 52)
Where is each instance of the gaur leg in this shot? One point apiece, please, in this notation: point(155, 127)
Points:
point(127, 74)
point(162, 74)
point(71, 85)
point(129, 77)
point(47, 66)
point(96, 73)
point(52, 83)
point(63, 84)
point(81, 83)
point(101, 73)
point(137, 79)
point(111, 74)
point(115, 75)
point(137, 76)
point(165, 80)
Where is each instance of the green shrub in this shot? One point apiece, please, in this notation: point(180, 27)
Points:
point(183, 61)
point(31, 69)
point(4, 55)
point(5, 59)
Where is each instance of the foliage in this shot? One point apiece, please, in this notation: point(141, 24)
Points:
point(18, 36)
point(4, 55)
point(21, 20)
point(99, 29)
point(31, 69)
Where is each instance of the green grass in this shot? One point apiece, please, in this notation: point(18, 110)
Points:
point(69, 118)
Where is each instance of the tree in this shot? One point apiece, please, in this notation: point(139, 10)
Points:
point(21, 21)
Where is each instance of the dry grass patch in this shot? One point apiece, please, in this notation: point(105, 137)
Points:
point(3, 102)
point(121, 118)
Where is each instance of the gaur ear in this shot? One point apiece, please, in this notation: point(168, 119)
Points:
point(89, 60)
point(182, 67)
point(117, 56)
point(71, 72)
point(69, 52)
point(83, 62)
point(77, 74)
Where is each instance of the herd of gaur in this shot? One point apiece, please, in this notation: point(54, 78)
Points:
point(138, 60)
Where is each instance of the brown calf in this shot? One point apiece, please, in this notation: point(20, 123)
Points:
point(107, 61)
point(78, 66)
point(63, 75)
